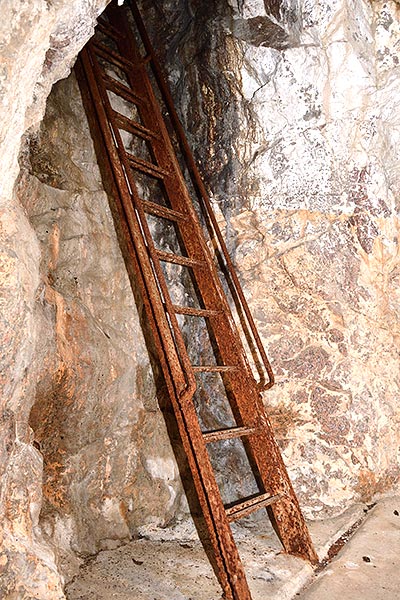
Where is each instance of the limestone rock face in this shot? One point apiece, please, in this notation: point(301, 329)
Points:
point(291, 109)
point(108, 465)
point(37, 46)
point(296, 134)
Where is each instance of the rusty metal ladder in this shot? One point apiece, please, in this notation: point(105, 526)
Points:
point(142, 171)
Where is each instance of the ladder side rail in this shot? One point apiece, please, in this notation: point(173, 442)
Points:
point(199, 185)
point(179, 372)
point(232, 566)
point(263, 448)
point(184, 426)
point(240, 383)
point(296, 541)
point(231, 562)
point(121, 219)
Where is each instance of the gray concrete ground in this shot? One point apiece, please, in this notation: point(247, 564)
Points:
point(368, 567)
point(171, 564)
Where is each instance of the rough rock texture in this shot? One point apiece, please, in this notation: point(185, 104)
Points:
point(108, 465)
point(293, 106)
point(38, 42)
point(301, 158)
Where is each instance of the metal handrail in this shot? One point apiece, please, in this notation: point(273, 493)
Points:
point(199, 185)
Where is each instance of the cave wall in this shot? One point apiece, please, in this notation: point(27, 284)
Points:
point(85, 454)
point(108, 465)
point(318, 248)
point(39, 43)
point(291, 110)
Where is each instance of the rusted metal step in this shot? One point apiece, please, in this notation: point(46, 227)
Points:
point(178, 260)
point(247, 507)
point(133, 126)
point(163, 211)
point(118, 60)
point(146, 167)
point(214, 368)
point(195, 312)
point(228, 434)
point(100, 73)
point(113, 85)
point(108, 29)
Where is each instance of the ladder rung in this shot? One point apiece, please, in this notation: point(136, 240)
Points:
point(227, 434)
point(163, 211)
point(213, 368)
point(132, 126)
point(116, 59)
point(146, 167)
point(178, 260)
point(108, 29)
point(195, 312)
point(245, 508)
point(112, 57)
point(121, 90)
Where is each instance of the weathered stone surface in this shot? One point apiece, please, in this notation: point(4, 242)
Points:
point(317, 268)
point(108, 465)
point(293, 109)
point(27, 31)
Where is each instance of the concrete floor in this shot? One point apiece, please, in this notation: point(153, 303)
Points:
point(170, 564)
point(368, 566)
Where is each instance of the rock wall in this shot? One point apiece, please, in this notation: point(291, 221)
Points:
point(85, 455)
point(108, 465)
point(296, 105)
point(291, 108)
point(65, 355)
point(324, 228)
point(39, 41)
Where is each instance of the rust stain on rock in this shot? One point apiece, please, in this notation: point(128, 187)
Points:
point(284, 419)
point(330, 410)
point(47, 419)
point(369, 484)
point(314, 360)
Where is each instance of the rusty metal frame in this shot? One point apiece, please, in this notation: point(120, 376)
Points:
point(180, 375)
